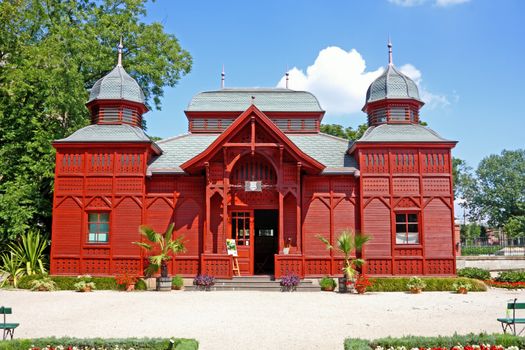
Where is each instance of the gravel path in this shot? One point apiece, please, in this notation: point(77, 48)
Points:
point(254, 320)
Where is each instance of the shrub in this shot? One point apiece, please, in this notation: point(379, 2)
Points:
point(411, 342)
point(68, 282)
point(327, 283)
point(83, 286)
point(141, 285)
point(488, 250)
point(474, 272)
point(459, 285)
point(177, 282)
point(434, 284)
point(204, 282)
point(511, 276)
point(44, 284)
point(124, 344)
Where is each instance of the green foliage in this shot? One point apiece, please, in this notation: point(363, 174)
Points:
point(68, 283)
point(347, 242)
point(161, 243)
point(346, 133)
point(11, 267)
point(50, 53)
point(44, 284)
point(411, 342)
point(485, 250)
point(469, 232)
point(433, 284)
point(461, 175)
point(177, 282)
point(135, 343)
point(456, 286)
point(30, 251)
point(141, 285)
point(474, 272)
point(84, 282)
point(511, 276)
point(327, 283)
point(416, 283)
point(497, 193)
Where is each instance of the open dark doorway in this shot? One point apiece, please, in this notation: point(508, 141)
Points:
point(266, 223)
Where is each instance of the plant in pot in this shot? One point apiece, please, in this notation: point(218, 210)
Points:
point(84, 284)
point(415, 285)
point(362, 283)
point(327, 284)
point(289, 282)
point(44, 284)
point(347, 242)
point(461, 287)
point(162, 244)
point(126, 281)
point(286, 248)
point(204, 282)
point(177, 283)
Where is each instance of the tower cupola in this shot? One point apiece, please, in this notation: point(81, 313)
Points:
point(117, 98)
point(393, 98)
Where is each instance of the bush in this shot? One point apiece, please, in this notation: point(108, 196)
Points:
point(124, 344)
point(433, 284)
point(474, 272)
point(511, 276)
point(411, 342)
point(416, 283)
point(141, 285)
point(327, 283)
point(68, 282)
point(488, 250)
point(177, 282)
point(44, 284)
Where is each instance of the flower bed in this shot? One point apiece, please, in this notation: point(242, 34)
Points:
point(481, 341)
point(507, 285)
point(98, 344)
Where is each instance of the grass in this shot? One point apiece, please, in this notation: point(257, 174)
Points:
point(433, 284)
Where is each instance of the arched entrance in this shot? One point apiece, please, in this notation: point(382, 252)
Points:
point(254, 214)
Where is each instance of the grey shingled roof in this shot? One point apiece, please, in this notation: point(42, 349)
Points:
point(267, 100)
point(117, 85)
point(326, 149)
point(107, 133)
point(392, 84)
point(401, 133)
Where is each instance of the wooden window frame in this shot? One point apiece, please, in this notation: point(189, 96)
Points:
point(98, 223)
point(406, 222)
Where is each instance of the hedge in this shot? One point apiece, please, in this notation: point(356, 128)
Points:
point(511, 276)
point(434, 284)
point(488, 250)
point(474, 272)
point(123, 344)
point(411, 342)
point(67, 282)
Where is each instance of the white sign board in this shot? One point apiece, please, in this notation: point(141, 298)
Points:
point(252, 186)
point(231, 247)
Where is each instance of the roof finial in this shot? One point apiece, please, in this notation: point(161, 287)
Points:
point(120, 47)
point(287, 76)
point(390, 60)
point(222, 77)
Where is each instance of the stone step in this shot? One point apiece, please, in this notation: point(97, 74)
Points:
point(257, 283)
point(258, 288)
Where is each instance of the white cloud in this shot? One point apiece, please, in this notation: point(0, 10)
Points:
point(444, 3)
point(440, 3)
point(339, 79)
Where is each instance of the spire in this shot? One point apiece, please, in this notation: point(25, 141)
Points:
point(120, 47)
point(287, 78)
point(390, 61)
point(222, 77)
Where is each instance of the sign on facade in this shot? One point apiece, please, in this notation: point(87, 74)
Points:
point(253, 186)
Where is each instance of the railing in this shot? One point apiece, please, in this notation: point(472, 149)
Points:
point(493, 246)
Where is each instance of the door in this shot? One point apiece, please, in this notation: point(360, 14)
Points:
point(266, 244)
point(242, 232)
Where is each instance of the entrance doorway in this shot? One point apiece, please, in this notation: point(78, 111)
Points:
point(266, 223)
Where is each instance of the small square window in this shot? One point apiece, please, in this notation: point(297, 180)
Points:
point(407, 228)
point(98, 227)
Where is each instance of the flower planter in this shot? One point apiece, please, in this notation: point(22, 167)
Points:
point(415, 290)
point(130, 287)
point(462, 291)
point(360, 289)
point(327, 289)
point(343, 288)
point(163, 284)
point(151, 283)
point(85, 290)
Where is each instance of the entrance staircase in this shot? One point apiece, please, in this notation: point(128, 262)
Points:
point(258, 283)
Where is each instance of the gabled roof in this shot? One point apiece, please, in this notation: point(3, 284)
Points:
point(107, 133)
point(264, 122)
point(401, 133)
point(266, 100)
point(329, 150)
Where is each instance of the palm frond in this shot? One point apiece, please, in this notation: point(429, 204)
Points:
point(325, 241)
point(150, 234)
point(144, 245)
point(169, 232)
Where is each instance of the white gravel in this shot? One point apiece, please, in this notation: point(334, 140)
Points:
point(254, 320)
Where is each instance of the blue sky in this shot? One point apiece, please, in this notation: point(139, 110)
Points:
point(468, 58)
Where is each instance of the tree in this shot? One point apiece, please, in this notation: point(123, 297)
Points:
point(497, 193)
point(346, 133)
point(50, 53)
point(462, 176)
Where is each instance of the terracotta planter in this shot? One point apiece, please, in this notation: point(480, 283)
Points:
point(462, 290)
point(360, 289)
point(327, 289)
point(130, 287)
point(415, 290)
point(85, 290)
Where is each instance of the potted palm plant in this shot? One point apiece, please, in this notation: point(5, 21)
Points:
point(346, 243)
point(163, 244)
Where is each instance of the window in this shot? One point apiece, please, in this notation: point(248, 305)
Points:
point(407, 228)
point(98, 227)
